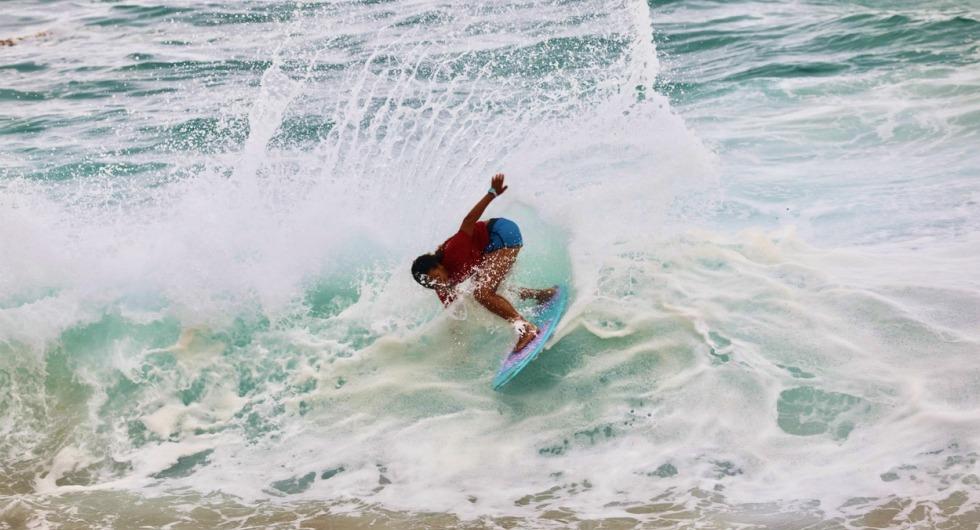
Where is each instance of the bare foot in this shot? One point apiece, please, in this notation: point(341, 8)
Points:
point(528, 332)
point(541, 295)
point(546, 294)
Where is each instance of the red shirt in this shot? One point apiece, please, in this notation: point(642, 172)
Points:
point(461, 254)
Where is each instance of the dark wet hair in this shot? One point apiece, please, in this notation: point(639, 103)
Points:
point(421, 267)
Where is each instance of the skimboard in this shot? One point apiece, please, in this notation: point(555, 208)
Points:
point(546, 319)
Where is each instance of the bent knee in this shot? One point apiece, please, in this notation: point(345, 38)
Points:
point(484, 293)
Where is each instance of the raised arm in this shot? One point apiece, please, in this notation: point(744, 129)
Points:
point(496, 188)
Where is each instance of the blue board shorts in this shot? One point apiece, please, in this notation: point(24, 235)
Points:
point(504, 233)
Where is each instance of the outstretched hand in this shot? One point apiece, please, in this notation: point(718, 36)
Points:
point(497, 183)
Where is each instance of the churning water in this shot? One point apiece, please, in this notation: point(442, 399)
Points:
point(767, 212)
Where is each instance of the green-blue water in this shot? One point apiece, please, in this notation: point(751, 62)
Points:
point(768, 214)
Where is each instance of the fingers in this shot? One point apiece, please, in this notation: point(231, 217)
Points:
point(498, 183)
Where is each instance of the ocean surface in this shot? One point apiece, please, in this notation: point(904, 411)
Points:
point(768, 214)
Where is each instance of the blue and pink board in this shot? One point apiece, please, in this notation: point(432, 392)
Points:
point(546, 319)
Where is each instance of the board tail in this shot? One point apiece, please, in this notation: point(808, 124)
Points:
point(547, 321)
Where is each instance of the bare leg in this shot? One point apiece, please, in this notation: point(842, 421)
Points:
point(496, 266)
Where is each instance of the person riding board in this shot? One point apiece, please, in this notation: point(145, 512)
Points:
point(486, 250)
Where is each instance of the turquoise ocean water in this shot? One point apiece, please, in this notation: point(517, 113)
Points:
point(767, 213)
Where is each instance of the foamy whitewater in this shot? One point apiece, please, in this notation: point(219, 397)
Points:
point(767, 213)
